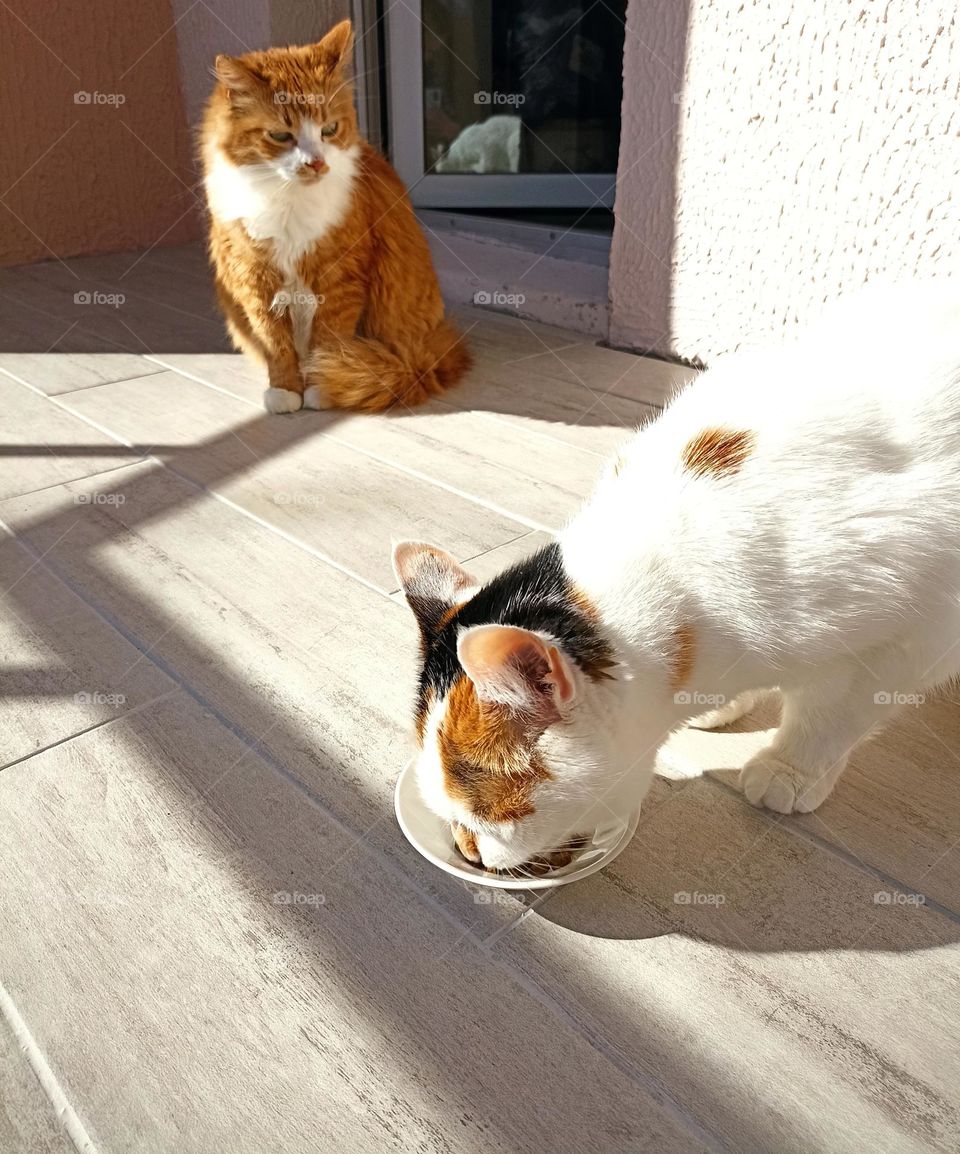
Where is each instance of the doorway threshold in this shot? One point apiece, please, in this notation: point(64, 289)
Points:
point(558, 276)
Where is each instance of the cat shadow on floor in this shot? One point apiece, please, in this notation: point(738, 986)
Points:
point(870, 870)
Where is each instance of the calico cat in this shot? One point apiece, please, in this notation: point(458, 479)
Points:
point(322, 270)
point(792, 520)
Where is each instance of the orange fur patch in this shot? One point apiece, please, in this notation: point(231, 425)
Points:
point(717, 452)
point(466, 843)
point(449, 615)
point(684, 655)
point(595, 667)
point(487, 763)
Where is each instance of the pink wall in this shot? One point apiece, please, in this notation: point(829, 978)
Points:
point(89, 177)
point(117, 172)
point(775, 154)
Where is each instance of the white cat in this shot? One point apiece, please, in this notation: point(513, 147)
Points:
point(791, 520)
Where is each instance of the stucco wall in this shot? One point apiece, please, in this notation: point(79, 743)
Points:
point(775, 154)
point(118, 171)
point(95, 152)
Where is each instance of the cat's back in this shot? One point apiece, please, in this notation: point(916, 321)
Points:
point(833, 461)
point(873, 385)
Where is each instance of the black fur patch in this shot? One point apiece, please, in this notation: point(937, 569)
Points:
point(534, 594)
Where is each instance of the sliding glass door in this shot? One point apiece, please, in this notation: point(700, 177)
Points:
point(506, 103)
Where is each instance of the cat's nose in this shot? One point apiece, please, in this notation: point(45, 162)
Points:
point(318, 164)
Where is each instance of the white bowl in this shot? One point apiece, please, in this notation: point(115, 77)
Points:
point(432, 838)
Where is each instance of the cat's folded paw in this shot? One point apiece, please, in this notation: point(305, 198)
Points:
point(727, 713)
point(774, 784)
point(315, 398)
point(281, 401)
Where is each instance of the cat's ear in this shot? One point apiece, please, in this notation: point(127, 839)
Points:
point(335, 48)
point(238, 76)
point(518, 669)
point(432, 581)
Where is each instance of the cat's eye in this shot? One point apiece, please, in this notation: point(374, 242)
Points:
point(330, 129)
point(281, 137)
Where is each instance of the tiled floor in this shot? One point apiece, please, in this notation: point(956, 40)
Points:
point(214, 937)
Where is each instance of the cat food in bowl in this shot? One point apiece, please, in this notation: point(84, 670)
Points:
point(433, 839)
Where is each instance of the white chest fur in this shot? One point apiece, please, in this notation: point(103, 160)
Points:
point(292, 214)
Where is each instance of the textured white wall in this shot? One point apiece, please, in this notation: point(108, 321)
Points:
point(775, 153)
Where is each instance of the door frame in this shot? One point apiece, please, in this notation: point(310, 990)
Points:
point(428, 189)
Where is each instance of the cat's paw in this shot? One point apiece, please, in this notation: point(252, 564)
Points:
point(768, 782)
point(315, 398)
point(727, 713)
point(281, 401)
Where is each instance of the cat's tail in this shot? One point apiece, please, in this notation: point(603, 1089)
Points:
point(367, 375)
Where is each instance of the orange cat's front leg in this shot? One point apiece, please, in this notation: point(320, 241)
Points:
point(274, 333)
point(268, 345)
point(248, 288)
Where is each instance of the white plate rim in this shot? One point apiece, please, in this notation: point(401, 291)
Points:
point(498, 883)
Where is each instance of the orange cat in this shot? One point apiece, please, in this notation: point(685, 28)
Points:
point(321, 268)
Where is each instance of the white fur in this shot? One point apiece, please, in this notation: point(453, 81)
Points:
point(314, 398)
point(827, 565)
point(281, 401)
point(274, 204)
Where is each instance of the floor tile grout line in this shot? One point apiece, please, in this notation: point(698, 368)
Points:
point(57, 403)
point(304, 546)
point(276, 530)
point(484, 553)
point(256, 748)
point(490, 506)
point(72, 480)
point(514, 423)
point(502, 545)
point(131, 712)
point(94, 384)
point(499, 419)
point(165, 465)
point(819, 842)
point(453, 490)
point(648, 409)
point(49, 1083)
point(650, 1083)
